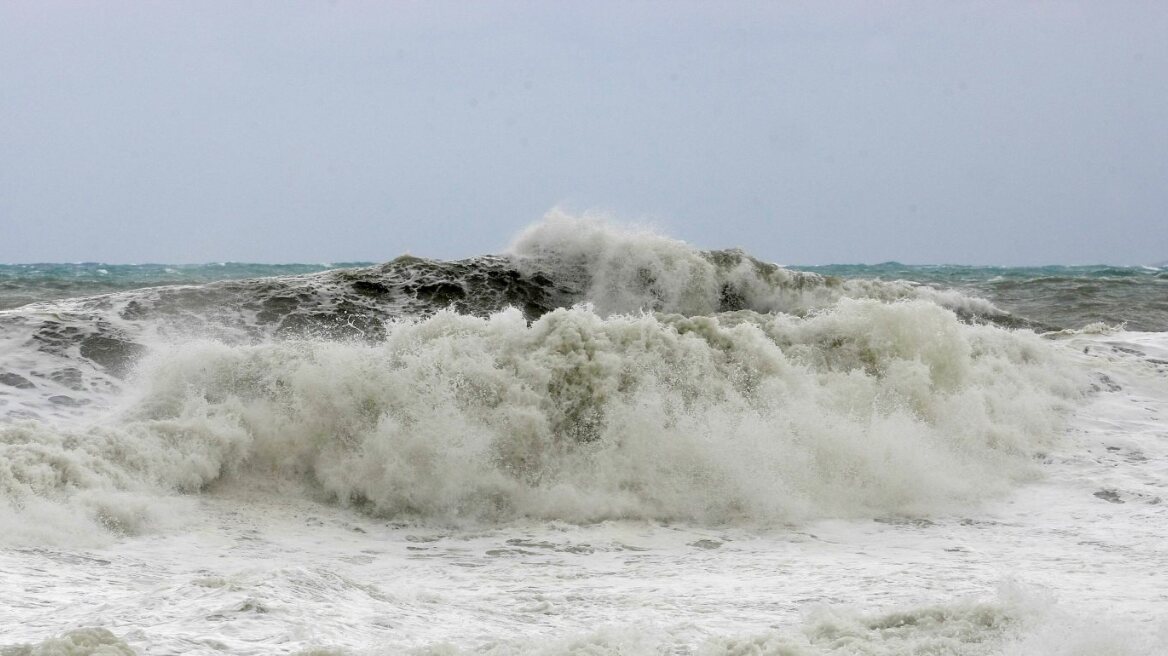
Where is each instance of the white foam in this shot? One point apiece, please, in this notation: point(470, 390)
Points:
point(78, 642)
point(625, 269)
point(866, 409)
point(1015, 622)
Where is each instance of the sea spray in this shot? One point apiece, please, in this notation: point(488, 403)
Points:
point(621, 269)
point(865, 409)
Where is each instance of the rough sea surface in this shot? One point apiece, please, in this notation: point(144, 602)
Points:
point(603, 441)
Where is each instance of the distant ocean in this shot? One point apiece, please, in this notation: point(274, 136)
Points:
point(21, 284)
point(602, 441)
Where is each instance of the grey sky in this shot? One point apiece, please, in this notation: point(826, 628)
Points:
point(992, 133)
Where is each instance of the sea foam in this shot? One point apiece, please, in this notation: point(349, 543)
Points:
point(864, 409)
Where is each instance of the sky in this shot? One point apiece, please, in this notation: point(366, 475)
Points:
point(1009, 133)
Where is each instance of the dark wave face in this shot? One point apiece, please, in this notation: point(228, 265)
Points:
point(94, 341)
point(1049, 297)
point(97, 339)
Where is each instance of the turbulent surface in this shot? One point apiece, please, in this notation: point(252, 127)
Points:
point(751, 392)
point(872, 408)
point(603, 441)
point(21, 284)
point(1065, 297)
point(1070, 564)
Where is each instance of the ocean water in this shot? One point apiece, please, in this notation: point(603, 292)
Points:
point(602, 441)
point(21, 284)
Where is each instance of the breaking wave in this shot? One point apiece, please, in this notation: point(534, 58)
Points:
point(593, 373)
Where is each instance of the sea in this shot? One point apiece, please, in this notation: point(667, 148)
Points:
point(601, 441)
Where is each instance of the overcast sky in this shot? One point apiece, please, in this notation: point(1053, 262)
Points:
point(821, 132)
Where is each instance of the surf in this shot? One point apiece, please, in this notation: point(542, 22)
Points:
point(592, 373)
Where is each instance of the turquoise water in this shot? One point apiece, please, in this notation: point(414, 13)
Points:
point(1059, 296)
point(28, 283)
